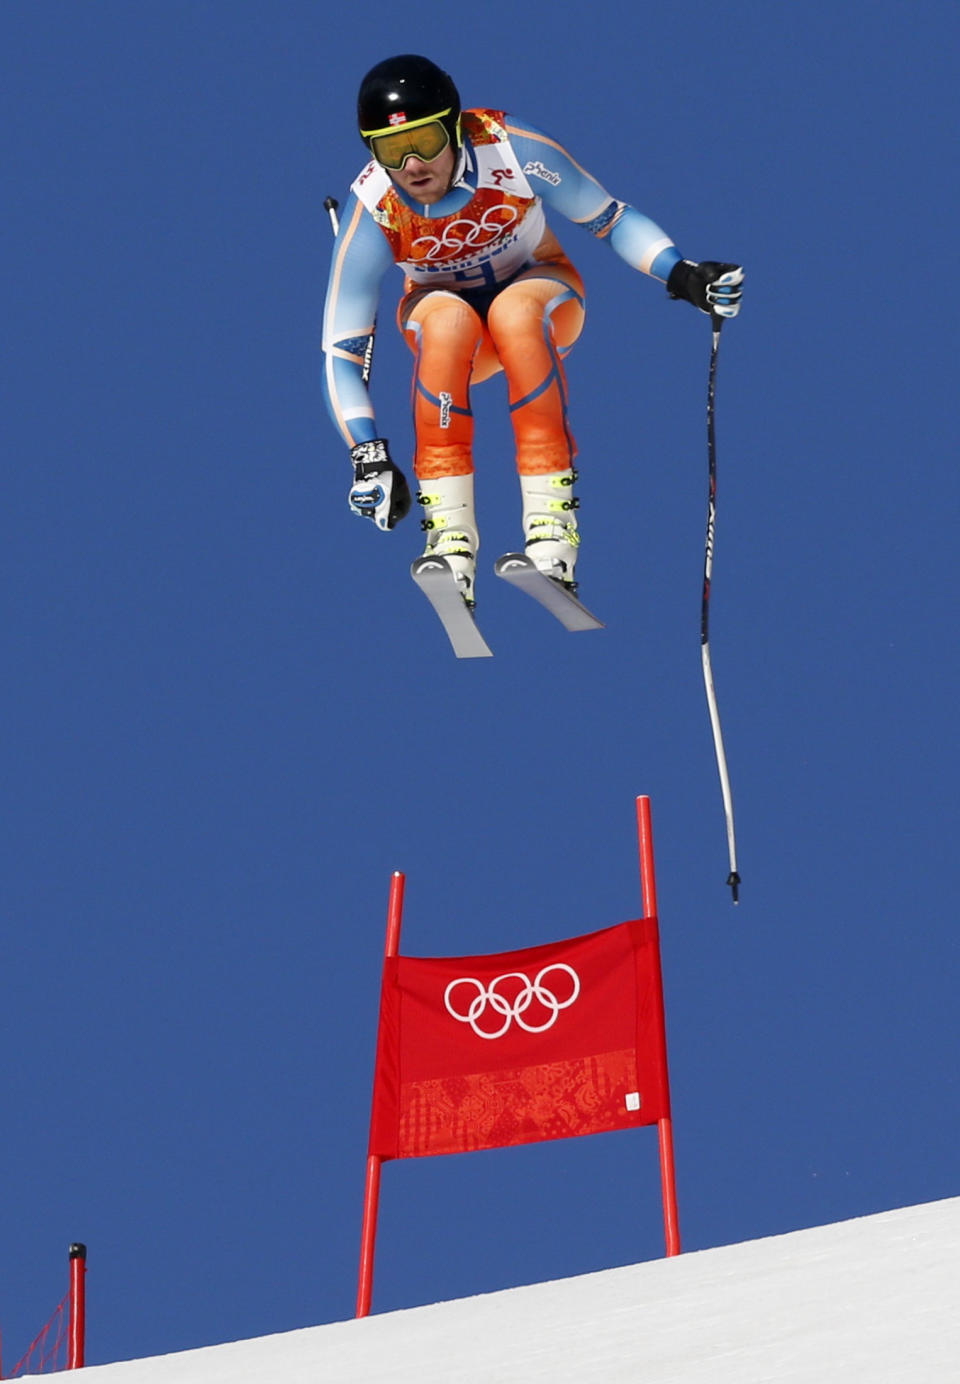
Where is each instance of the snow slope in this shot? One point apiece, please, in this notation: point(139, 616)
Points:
point(872, 1300)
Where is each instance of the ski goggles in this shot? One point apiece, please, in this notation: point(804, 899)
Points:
point(422, 139)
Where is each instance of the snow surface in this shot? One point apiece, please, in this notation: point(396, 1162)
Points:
point(870, 1300)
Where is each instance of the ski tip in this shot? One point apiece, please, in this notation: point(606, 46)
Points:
point(512, 562)
point(436, 579)
point(429, 564)
point(559, 597)
point(733, 879)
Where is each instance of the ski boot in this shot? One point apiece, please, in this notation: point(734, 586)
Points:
point(552, 539)
point(451, 527)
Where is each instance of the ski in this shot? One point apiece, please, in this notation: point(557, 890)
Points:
point(436, 580)
point(519, 571)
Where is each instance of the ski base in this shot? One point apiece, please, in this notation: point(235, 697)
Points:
point(519, 571)
point(436, 579)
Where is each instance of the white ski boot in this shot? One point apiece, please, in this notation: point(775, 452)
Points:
point(552, 539)
point(450, 524)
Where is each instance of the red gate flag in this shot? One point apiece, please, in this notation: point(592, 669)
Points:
point(479, 1052)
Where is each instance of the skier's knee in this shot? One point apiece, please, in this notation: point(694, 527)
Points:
point(449, 323)
point(516, 314)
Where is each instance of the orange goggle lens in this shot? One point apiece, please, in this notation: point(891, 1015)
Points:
point(425, 142)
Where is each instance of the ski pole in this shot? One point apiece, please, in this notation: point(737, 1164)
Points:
point(333, 211)
point(733, 879)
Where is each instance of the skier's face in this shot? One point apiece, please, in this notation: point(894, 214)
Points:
point(426, 182)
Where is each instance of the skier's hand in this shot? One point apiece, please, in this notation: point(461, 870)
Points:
point(711, 286)
point(379, 491)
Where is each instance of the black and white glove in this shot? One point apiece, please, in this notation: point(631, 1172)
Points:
point(379, 491)
point(711, 286)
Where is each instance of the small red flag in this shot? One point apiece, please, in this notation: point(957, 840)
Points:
point(478, 1052)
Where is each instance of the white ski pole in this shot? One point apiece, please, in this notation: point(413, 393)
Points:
point(733, 879)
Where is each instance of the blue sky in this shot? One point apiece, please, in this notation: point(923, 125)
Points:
point(229, 714)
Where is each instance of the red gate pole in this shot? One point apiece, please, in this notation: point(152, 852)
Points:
point(371, 1195)
point(77, 1328)
point(648, 883)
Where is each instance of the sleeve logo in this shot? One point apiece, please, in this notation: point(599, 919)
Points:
point(536, 170)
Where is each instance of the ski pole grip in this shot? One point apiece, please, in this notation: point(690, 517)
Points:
point(332, 206)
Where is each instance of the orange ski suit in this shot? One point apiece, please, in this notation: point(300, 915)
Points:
point(524, 328)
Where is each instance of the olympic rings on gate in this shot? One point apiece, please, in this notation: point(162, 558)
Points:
point(515, 1009)
point(464, 234)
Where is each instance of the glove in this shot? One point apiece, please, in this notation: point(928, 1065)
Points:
point(379, 491)
point(710, 286)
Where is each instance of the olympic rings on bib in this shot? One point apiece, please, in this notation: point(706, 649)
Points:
point(464, 235)
point(488, 996)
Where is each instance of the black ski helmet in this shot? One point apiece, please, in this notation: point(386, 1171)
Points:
point(412, 88)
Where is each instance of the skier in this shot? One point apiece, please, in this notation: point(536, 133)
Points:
point(456, 199)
